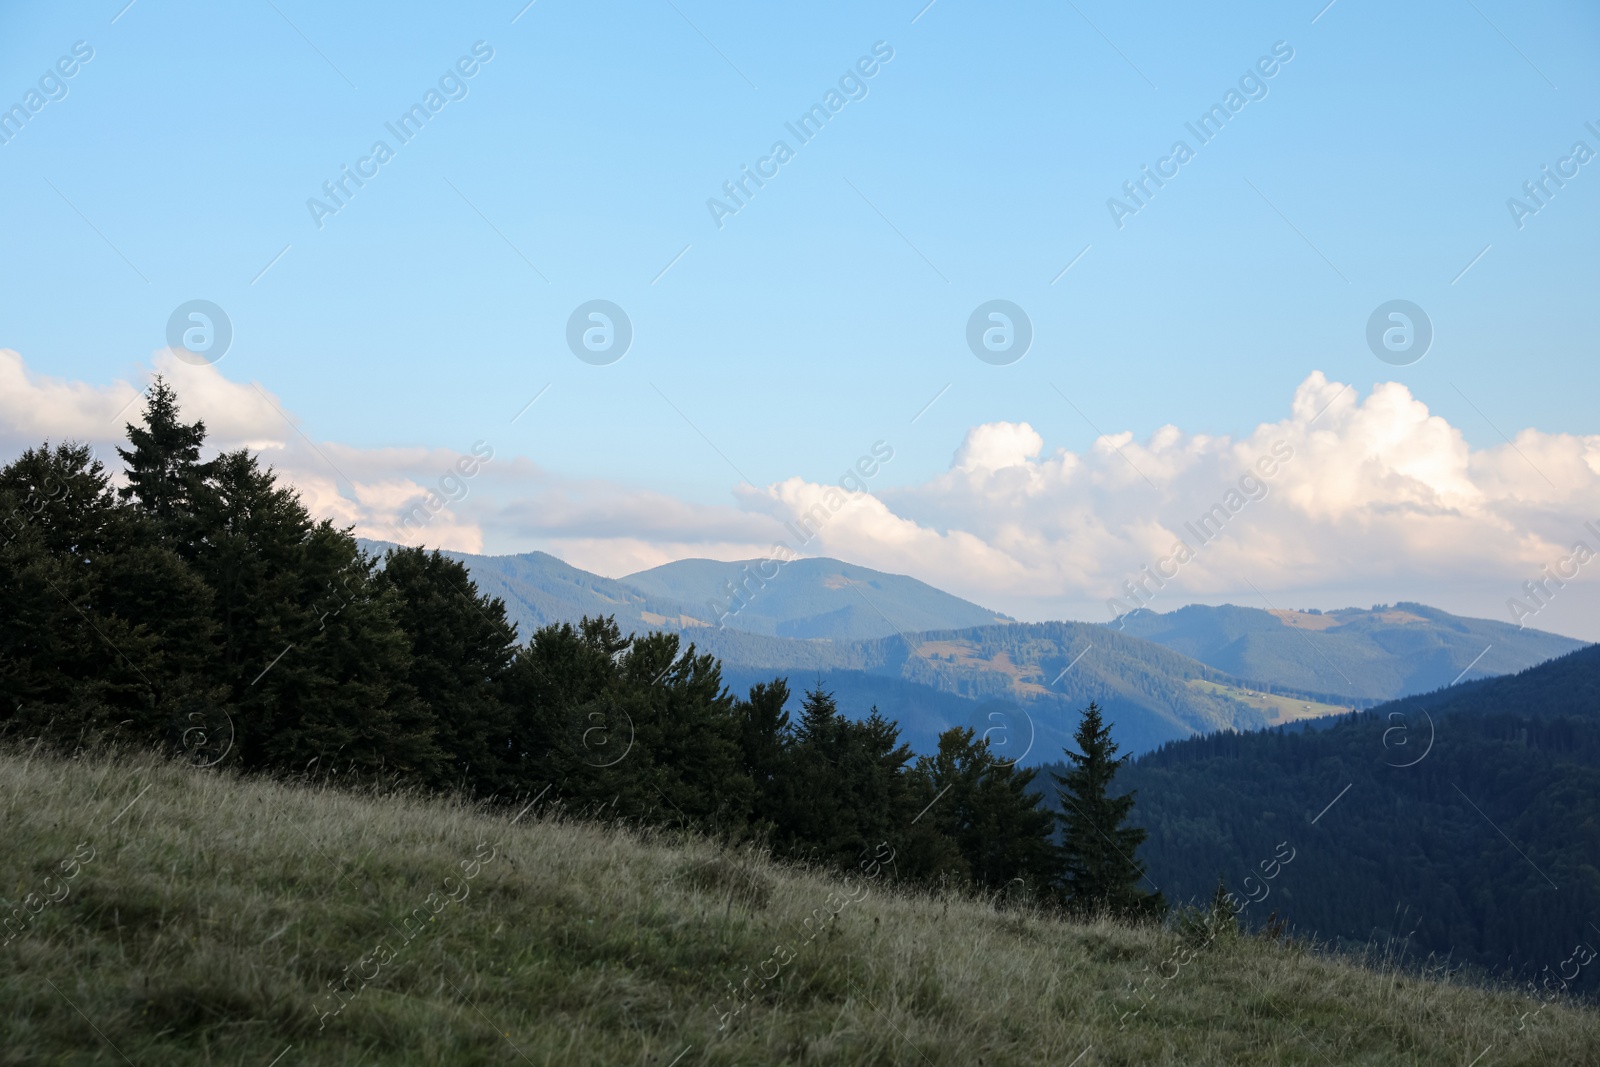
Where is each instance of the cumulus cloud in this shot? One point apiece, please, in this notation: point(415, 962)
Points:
point(1345, 492)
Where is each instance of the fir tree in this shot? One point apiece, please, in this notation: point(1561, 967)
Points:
point(163, 466)
point(461, 649)
point(309, 640)
point(1097, 849)
point(987, 810)
point(764, 736)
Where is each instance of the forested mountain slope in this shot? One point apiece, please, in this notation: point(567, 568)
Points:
point(1468, 819)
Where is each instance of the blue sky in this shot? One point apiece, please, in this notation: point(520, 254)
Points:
point(831, 308)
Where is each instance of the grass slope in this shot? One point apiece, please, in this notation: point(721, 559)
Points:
point(206, 915)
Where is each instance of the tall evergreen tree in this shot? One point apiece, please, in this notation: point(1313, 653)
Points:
point(814, 822)
point(1098, 851)
point(461, 649)
point(163, 466)
point(764, 739)
point(68, 668)
point(684, 724)
point(877, 789)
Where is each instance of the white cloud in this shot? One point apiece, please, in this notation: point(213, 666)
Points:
point(369, 488)
point(997, 445)
point(1376, 493)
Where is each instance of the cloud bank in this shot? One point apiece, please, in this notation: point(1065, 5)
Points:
point(1344, 496)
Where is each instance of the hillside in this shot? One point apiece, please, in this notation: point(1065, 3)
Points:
point(1026, 680)
point(811, 598)
point(206, 917)
point(1382, 653)
point(1468, 819)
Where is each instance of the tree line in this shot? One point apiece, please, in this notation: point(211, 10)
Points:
point(198, 607)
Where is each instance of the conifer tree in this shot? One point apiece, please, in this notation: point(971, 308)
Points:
point(1098, 851)
point(764, 735)
point(685, 726)
point(164, 463)
point(987, 810)
point(461, 649)
point(813, 823)
point(876, 784)
point(308, 639)
point(63, 660)
point(103, 629)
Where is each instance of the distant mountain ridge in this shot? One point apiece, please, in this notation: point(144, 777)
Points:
point(1023, 680)
point(811, 598)
point(1380, 653)
point(807, 599)
point(931, 660)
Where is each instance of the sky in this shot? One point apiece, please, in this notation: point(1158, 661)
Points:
point(1156, 341)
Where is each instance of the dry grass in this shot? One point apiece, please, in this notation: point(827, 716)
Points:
point(215, 911)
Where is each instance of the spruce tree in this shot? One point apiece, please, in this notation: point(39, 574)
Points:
point(763, 737)
point(163, 465)
point(814, 822)
point(461, 649)
point(68, 668)
point(1098, 851)
point(877, 787)
point(686, 726)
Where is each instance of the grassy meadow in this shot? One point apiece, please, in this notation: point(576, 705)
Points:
point(164, 915)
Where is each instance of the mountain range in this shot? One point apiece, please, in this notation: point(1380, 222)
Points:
point(932, 660)
point(1379, 653)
